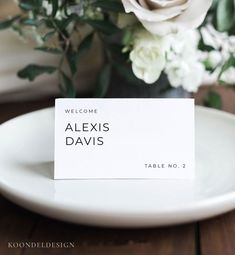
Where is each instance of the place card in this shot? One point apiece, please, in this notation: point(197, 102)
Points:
point(124, 138)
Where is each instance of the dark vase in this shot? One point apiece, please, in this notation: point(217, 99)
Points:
point(120, 88)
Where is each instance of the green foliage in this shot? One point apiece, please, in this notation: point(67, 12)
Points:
point(74, 57)
point(84, 46)
point(55, 7)
point(32, 71)
point(30, 22)
point(127, 38)
point(126, 72)
point(60, 24)
point(30, 5)
point(49, 50)
point(48, 35)
point(103, 26)
point(103, 81)
point(213, 100)
point(65, 22)
point(69, 17)
point(203, 46)
point(226, 66)
point(71, 57)
point(8, 23)
point(225, 15)
point(110, 5)
point(66, 85)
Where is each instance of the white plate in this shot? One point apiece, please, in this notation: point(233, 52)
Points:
point(26, 168)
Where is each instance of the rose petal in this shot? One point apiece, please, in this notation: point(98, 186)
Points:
point(149, 76)
point(164, 3)
point(188, 14)
point(153, 15)
point(161, 28)
point(144, 4)
point(195, 13)
point(190, 19)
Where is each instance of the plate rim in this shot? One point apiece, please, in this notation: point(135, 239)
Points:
point(195, 210)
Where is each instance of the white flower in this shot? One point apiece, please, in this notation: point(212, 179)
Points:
point(224, 46)
point(189, 75)
point(176, 72)
point(183, 43)
point(49, 9)
point(183, 67)
point(219, 41)
point(148, 56)
point(214, 59)
point(78, 9)
point(166, 16)
point(47, 6)
point(229, 76)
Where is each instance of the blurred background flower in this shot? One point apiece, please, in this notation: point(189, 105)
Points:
point(97, 48)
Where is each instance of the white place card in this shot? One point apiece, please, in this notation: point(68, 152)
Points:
point(124, 138)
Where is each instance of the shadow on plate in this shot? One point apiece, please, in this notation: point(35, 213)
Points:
point(44, 169)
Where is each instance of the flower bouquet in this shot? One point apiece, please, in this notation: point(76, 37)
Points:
point(175, 43)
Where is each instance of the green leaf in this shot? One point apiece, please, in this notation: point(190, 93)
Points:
point(48, 22)
point(30, 5)
point(204, 47)
point(103, 81)
point(47, 36)
point(84, 46)
point(231, 31)
point(66, 86)
point(226, 66)
point(119, 57)
point(214, 4)
point(55, 6)
point(31, 22)
point(74, 57)
point(126, 72)
point(213, 100)
point(208, 66)
point(7, 23)
point(104, 26)
point(110, 5)
point(71, 56)
point(225, 15)
point(49, 50)
point(64, 23)
point(127, 38)
point(32, 71)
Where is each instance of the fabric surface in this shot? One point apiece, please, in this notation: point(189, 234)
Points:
point(15, 54)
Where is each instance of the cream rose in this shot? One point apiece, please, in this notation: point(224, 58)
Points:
point(162, 17)
point(148, 56)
